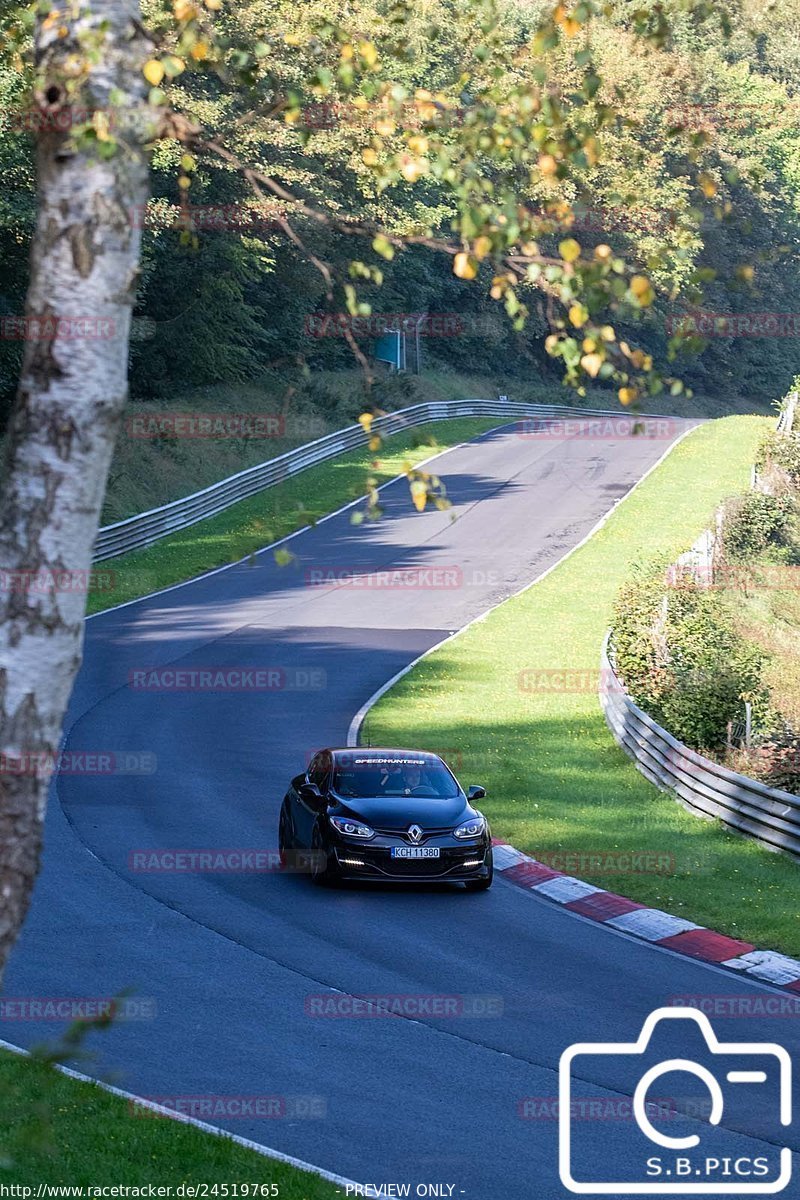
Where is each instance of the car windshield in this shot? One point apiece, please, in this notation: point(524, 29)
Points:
point(398, 777)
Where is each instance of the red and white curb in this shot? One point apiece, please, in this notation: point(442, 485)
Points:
point(649, 924)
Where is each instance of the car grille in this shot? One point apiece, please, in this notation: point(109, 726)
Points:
point(426, 833)
point(417, 867)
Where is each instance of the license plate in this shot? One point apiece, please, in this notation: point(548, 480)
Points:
point(415, 851)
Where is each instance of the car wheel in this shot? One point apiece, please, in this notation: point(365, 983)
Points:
point(482, 885)
point(321, 872)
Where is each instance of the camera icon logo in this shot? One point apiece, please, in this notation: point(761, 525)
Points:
point(704, 1154)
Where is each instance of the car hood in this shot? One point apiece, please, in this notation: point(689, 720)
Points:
point(384, 812)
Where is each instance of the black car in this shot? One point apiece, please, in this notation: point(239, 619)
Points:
point(397, 815)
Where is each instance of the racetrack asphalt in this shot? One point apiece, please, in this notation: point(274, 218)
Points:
point(229, 960)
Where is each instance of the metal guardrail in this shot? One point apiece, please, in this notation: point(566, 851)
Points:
point(134, 533)
point(766, 814)
point(788, 414)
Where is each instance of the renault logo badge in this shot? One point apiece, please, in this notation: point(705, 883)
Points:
point(414, 832)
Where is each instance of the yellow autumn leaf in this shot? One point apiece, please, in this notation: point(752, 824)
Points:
point(374, 443)
point(607, 333)
point(365, 421)
point(369, 156)
point(368, 53)
point(591, 364)
point(569, 250)
point(578, 315)
point(199, 51)
point(627, 395)
point(153, 72)
point(100, 123)
point(173, 65)
point(551, 343)
point(465, 266)
point(547, 164)
point(602, 252)
point(482, 247)
point(419, 494)
point(591, 150)
point(184, 10)
point(418, 145)
point(566, 20)
point(707, 186)
point(642, 289)
point(412, 168)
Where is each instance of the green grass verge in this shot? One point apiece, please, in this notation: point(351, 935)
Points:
point(246, 527)
point(58, 1130)
point(556, 780)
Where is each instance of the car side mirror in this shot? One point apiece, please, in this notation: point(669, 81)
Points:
point(312, 795)
point(476, 792)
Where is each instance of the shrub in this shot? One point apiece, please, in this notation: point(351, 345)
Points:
point(776, 761)
point(682, 660)
point(756, 522)
point(781, 450)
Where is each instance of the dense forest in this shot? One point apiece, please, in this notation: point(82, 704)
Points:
point(696, 177)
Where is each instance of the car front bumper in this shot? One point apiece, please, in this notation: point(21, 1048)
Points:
point(455, 864)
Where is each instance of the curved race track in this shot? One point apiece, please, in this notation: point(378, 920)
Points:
point(229, 959)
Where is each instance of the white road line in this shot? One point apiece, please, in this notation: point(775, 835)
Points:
point(358, 719)
point(184, 1119)
point(173, 587)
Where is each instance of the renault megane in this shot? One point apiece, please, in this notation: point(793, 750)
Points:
point(396, 815)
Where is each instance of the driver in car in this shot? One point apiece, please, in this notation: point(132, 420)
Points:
point(413, 779)
point(399, 781)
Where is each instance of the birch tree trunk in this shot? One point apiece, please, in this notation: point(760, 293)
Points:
point(72, 390)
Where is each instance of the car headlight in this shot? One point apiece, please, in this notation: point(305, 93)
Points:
point(470, 829)
point(352, 828)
